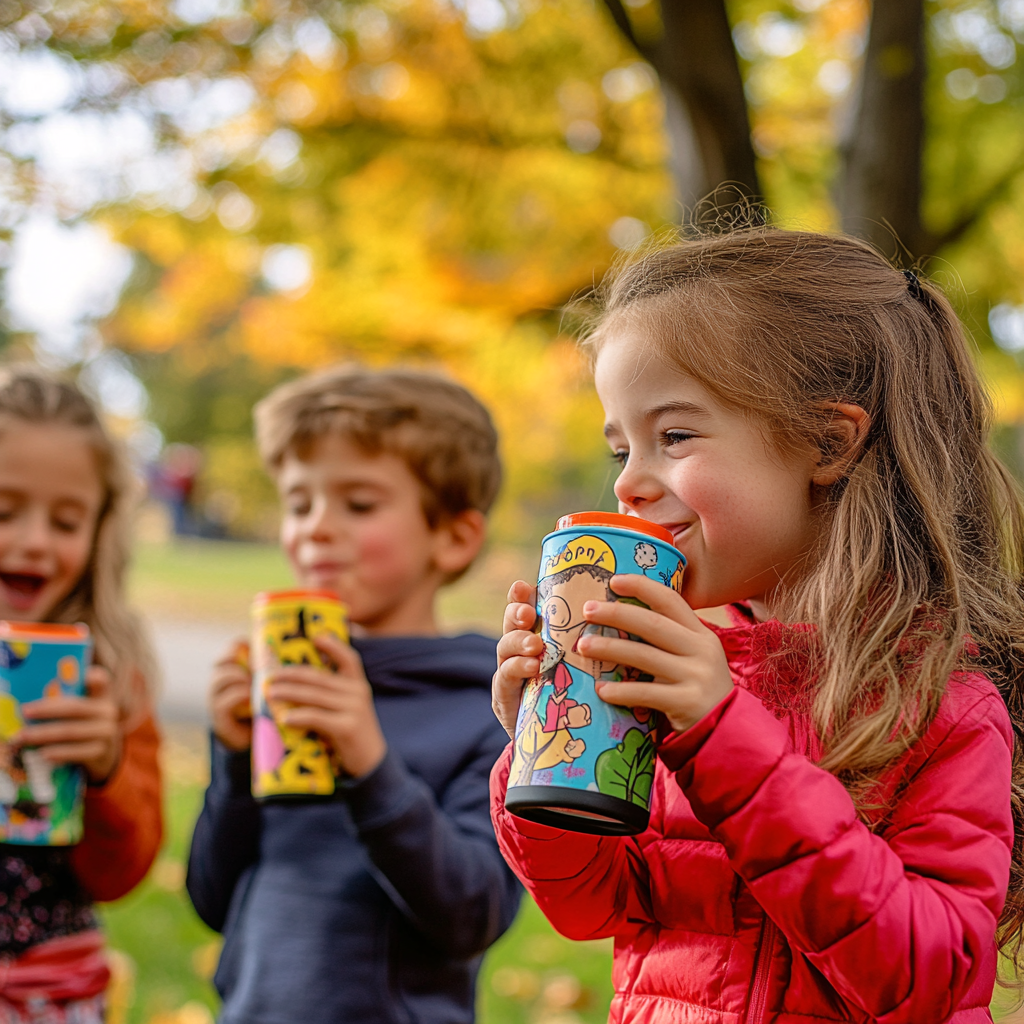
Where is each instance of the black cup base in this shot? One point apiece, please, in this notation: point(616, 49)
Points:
point(577, 810)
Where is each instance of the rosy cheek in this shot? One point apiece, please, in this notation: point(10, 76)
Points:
point(379, 549)
point(714, 506)
point(70, 560)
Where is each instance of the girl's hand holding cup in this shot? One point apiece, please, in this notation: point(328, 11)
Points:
point(691, 674)
point(519, 654)
point(230, 706)
point(335, 703)
point(77, 730)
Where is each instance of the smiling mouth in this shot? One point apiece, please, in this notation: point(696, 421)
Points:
point(22, 589)
point(677, 529)
point(27, 584)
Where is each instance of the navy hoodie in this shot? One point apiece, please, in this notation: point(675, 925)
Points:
point(377, 906)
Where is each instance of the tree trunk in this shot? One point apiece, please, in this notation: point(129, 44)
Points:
point(705, 103)
point(880, 187)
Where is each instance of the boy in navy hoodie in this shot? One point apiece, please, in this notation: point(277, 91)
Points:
point(378, 906)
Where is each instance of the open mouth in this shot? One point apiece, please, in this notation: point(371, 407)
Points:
point(22, 588)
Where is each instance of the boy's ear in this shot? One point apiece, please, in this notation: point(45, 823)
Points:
point(842, 441)
point(458, 540)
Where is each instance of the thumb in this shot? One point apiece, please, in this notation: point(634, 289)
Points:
point(339, 654)
point(98, 682)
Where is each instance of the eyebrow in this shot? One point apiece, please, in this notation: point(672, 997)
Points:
point(686, 408)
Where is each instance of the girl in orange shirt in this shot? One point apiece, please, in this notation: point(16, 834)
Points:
point(65, 493)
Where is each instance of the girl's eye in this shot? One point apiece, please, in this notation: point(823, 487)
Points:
point(67, 524)
point(620, 456)
point(669, 438)
point(361, 507)
point(299, 508)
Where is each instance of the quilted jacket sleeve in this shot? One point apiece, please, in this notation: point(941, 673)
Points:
point(898, 922)
point(588, 887)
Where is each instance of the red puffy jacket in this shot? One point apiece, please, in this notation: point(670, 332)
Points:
point(757, 894)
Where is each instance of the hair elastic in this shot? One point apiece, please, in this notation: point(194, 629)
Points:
point(914, 285)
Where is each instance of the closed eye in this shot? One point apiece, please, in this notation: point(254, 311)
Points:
point(67, 525)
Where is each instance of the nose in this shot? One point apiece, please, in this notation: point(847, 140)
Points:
point(637, 486)
point(34, 535)
point(319, 523)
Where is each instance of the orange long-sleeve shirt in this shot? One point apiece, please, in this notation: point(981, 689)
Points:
point(123, 819)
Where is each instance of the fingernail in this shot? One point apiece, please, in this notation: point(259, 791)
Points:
point(589, 606)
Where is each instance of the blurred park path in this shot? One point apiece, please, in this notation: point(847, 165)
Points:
point(186, 652)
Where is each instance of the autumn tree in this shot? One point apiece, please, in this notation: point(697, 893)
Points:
point(881, 180)
point(430, 181)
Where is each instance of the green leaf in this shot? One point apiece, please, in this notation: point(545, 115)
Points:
point(627, 770)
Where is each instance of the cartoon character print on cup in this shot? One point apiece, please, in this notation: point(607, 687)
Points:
point(566, 736)
point(289, 763)
point(40, 803)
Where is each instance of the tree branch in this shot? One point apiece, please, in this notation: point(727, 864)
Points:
point(625, 26)
point(696, 61)
point(996, 191)
point(880, 193)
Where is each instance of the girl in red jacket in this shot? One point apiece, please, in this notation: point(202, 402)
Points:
point(65, 489)
point(832, 828)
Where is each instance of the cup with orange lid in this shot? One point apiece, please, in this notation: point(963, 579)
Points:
point(579, 763)
point(289, 763)
point(40, 803)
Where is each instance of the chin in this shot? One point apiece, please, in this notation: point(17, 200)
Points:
point(698, 599)
point(22, 614)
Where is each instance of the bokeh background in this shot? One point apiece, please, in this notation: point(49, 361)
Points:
point(200, 199)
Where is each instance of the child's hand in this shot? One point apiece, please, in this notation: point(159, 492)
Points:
point(519, 653)
point(230, 693)
point(337, 705)
point(77, 730)
point(691, 674)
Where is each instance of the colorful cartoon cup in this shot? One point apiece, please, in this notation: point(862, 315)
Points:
point(40, 803)
point(289, 763)
point(579, 763)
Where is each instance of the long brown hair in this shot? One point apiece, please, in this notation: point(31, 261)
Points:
point(33, 395)
point(922, 538)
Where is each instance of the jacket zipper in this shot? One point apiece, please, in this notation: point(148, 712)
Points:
point(762, 969)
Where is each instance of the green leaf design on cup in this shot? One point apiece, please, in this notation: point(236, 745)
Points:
point(627, 770)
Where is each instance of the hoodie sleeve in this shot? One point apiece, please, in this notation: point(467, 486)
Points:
point(226, 837)
point(898, 921)
point(437, 858)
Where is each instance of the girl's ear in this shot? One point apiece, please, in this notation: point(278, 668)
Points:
point(842, 441)
point(457, 540)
